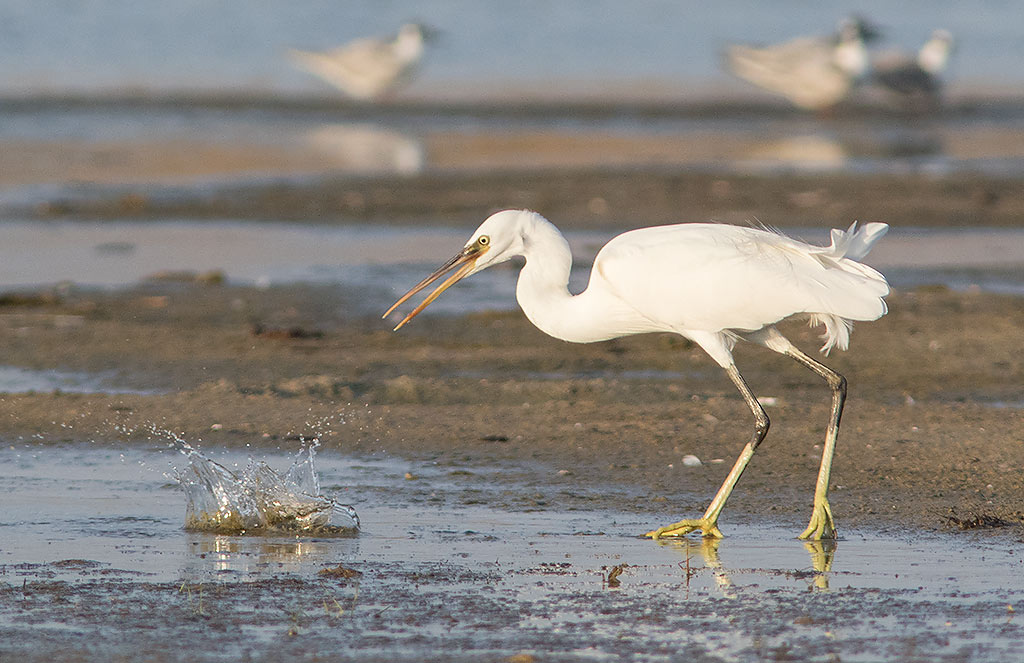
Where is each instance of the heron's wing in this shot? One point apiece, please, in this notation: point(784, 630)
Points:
point(712, 277)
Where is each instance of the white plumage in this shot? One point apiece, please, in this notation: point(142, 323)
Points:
point(711, 283)
point(734, 279)
point(814, 73)
point(368, 68)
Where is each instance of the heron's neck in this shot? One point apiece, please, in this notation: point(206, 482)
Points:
point(543, 288)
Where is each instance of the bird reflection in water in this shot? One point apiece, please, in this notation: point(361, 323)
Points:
point(706, 549)
point(822, 553)
point(367, 149)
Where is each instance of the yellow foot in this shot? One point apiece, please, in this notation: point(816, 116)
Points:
point(684, 527)
point(822, 526)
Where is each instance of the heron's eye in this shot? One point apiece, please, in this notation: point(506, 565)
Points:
point(483, 240)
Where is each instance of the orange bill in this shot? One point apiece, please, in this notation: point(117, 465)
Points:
point(465, 260)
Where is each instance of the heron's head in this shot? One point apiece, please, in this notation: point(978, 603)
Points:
point(499, 238)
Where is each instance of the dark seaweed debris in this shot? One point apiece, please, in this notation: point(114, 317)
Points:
point(980, 520)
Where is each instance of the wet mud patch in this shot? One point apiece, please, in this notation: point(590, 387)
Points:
point(499, 489)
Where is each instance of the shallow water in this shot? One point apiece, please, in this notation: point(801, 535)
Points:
point(17, 380)
point(133, 82)
point(382, 262)
point(93, 543)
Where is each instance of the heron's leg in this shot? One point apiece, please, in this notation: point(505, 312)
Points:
point(708, 523)
point(822, 526)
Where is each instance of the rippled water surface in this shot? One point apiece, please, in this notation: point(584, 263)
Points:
point(88, 528)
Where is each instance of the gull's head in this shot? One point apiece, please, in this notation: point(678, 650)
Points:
point(411, 32)
point(417, 34)
point(849, 52)
point(856, 26)
point(934, 55)
point(499, 238)
point(411, 39)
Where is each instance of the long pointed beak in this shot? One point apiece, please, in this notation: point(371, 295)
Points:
point(465, 260)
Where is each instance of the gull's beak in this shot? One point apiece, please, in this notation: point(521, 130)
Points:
point(465, 260)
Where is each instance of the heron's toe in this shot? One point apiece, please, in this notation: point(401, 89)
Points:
point(822, 526)
point(683, 527)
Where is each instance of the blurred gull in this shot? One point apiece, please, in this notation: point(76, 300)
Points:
point(914, 81)
point(368, 68)
point(814, 73)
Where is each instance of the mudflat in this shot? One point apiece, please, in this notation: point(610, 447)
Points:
point(503, 477)
point(932, 436)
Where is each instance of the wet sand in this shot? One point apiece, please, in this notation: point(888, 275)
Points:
point(532, 467)
point(932, 434)
point(934, 421)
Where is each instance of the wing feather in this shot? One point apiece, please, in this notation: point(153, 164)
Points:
point(711, 277)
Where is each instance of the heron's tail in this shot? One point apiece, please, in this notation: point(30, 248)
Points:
point(855, 244)
point(859, 289)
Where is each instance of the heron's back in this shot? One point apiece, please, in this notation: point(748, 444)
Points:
point(721, 278)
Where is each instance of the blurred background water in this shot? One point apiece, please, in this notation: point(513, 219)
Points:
point(138, 103)
point(675, 46)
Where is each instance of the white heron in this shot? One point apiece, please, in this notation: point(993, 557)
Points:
point(371, 67)
point(814, 73)
point(711, 283)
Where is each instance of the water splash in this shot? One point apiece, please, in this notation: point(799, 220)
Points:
point(258, 500)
